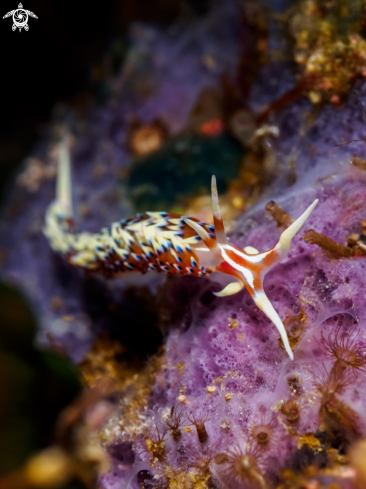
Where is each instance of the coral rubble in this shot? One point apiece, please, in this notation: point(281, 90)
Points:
point(329, 45)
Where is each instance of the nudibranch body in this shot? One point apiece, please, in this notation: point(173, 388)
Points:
point(166, 242)
point(157, 241)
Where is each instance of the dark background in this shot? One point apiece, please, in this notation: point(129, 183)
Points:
point(60, 60)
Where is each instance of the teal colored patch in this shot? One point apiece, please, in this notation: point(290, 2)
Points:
point(182, 169)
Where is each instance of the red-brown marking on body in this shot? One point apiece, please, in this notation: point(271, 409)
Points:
point(226, 268)
point(253, 267)
point(271, 258)
point(219, 226)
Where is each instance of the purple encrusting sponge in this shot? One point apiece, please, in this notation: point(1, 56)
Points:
point(227, 407)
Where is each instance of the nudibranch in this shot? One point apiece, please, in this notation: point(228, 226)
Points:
point(166, 242)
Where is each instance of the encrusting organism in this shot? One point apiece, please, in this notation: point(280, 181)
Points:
point(200, 459)
point(291, 410)
point(166, 242)
point(344, 347)
point(333, 381)
point(357, 241)
point(241, 467)
point(175, 421)
point(155, 444)
point(336, 417)
point(279, 215)
point(339, 419)
point(199, 423)
point(295, 326)
point(328, 244)
point(263, 431)
point(294, 383)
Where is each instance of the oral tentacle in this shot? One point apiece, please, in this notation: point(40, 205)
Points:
point(230, 289)
point(265, 305)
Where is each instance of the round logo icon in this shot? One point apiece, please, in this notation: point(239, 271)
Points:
point(20, 17)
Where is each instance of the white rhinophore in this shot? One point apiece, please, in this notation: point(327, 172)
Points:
point(63, 186)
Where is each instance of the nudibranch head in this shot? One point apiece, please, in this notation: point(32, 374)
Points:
point(248, 266)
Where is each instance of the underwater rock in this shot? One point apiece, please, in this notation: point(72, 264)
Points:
point(328, 46)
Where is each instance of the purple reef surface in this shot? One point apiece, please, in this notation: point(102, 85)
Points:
point(220, 405)
point(236, 395)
